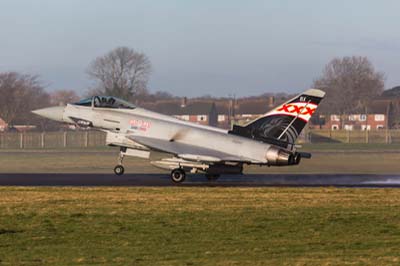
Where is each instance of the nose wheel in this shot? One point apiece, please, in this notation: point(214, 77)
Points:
point(119, 170)
point(178, 175)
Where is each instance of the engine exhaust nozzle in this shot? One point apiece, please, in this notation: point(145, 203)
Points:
point(280, 157)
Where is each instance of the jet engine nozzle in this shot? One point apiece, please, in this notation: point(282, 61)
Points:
point(281, 157)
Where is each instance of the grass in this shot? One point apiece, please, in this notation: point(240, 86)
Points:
point(199, 226)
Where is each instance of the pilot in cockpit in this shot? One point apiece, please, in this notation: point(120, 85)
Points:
point(106, 102)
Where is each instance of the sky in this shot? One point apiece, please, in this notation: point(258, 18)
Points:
point(219, 48)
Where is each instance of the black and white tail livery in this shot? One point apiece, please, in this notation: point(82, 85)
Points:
point(282, 125)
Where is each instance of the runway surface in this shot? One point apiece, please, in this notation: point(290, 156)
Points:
point(252, 180)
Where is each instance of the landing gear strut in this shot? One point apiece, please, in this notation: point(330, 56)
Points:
point(178, 175)
point(119, 169)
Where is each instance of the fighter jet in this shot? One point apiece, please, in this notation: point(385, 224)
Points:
point(267, 141)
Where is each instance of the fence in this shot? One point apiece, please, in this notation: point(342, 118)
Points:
point(356, 136)
point(81, 139)
point(67, 139)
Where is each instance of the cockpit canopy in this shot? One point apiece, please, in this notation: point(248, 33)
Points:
point(106, 102)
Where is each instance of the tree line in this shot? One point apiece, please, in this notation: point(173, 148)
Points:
point(351, 84)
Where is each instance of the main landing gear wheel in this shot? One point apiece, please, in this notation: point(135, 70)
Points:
point(178, 175)
point(212, 177)
point(119, 170)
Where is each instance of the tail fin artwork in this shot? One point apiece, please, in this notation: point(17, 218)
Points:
point(282, 125)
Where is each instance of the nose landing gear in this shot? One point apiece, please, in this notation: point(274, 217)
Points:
point(119, 169)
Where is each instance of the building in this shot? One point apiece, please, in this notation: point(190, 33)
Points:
point(200, 112)
point(376, 118)
point(204, 113)
point(23, 128)
point(221, 112)
point(3, 125)
point(357, 122)
point(225, 111)
point(392, 98)
point(250, 110)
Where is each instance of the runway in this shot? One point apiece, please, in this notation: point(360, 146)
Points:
point(251, 180)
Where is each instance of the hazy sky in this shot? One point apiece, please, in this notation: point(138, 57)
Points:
point(200, 47)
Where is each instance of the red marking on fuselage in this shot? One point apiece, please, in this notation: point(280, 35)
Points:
point(140, 124)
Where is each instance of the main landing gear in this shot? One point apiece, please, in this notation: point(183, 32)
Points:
point(119, 169)
point(178, 175)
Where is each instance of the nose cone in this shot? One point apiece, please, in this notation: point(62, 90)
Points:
point(53, 113)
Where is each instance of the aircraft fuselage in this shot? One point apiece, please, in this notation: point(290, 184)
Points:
point(143, 123)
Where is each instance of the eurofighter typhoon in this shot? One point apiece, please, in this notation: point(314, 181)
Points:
point(267, 141)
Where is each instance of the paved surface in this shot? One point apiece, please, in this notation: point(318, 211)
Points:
point(301, 180)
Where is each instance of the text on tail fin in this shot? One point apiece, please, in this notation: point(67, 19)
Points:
point(285, 122)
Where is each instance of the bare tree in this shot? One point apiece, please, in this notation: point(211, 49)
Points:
point(122, 72)
point(62, 97)
point(351, 83)
point(19, 95)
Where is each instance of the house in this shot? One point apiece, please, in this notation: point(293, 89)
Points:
point(376, 118)
point(204, 113)
point(222, 113)
point(21, 125)
point(200, 112)
point(3, 125)
point(23, 128)
point(248, 110)
point(224, 110)
point(357, 122)
point(392, 97)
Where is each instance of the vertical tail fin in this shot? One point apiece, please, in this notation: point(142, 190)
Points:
point(284, 123)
